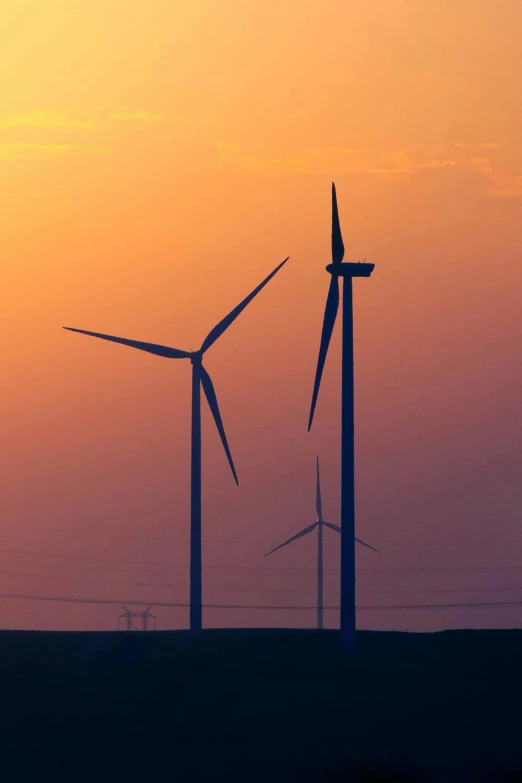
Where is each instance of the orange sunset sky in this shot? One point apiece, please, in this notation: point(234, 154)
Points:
point(157, 160)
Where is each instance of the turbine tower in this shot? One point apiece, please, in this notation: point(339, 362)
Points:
point(200, 378)
point(347, 271)
point(320, 524)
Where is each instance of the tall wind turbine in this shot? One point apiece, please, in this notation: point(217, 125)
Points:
point(347, 271)
point(319, 524)
point(200, 378)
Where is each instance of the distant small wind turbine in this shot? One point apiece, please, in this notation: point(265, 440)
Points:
point(319, 524)
point(347, 271)
point(200, 378)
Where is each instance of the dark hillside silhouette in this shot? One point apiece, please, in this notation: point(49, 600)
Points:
point(261, 705)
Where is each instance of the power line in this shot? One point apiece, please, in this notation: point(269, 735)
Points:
point(236, 589)
point(90, 557)
point(67, 599)
point(110, 534)
point(436, 590)
point(440, 570)
point(261, 544)
point(97, 531)
point(261, 569)
point(481, 604)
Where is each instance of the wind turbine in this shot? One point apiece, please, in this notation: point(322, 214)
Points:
point(200, 378)
point(347, 271)
point(320, 524)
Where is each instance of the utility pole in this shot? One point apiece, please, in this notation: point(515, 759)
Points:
point(145, 616)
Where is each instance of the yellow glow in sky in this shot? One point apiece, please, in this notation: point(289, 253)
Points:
point(157, 160)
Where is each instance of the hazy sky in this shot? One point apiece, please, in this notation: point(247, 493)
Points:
point(157, 160)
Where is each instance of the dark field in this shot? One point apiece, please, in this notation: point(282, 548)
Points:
point(258, 705)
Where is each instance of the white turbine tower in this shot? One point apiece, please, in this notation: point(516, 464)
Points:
point(320, 524)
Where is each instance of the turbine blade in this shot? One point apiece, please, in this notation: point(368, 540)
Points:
point(210, 394)
point(330, 314)
point(147, 609)
point(332, 527)
point(159, 350)
point(218, 330)
point(318, 503)
point(359, 541)
point(297, 535)
point(337, 240)
point(365, 544)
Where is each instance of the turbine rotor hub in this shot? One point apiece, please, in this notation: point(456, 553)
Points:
point(196, 357)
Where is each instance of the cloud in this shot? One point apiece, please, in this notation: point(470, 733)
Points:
point(437, 164)
point(492, 145)
point(508, 186)
point(137, 116)
point(365, 161)
point(493, 164)
point(20, 151)
point(227, 146)
point(49, 119)
point(45, 118)
point(442, 190)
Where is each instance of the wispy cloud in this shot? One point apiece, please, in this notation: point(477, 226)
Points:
point(46, 118)
point(51, 118)
point(137, 116)
point(438, 164)
point(499, 162)
point(43, 130)
point(227, 146)
point(14, 150)
point(366, 161)
point(492, 145)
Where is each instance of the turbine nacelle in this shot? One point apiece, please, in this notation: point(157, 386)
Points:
point(351, 269)
point(337, 269)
